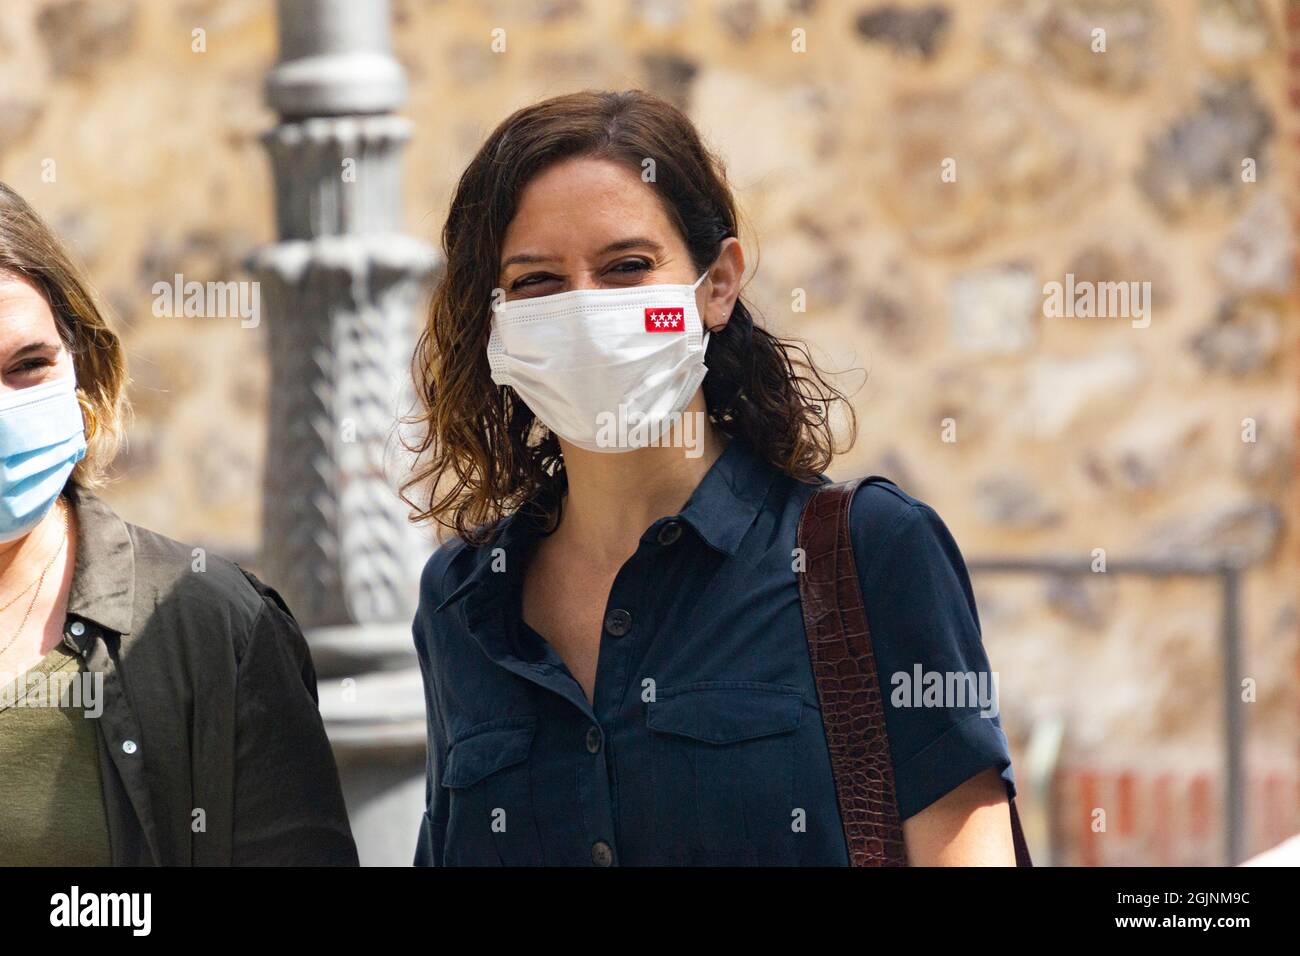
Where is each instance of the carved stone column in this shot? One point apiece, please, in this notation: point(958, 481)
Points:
point(339, 294)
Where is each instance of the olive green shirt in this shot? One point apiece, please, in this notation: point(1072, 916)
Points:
point(52, 813)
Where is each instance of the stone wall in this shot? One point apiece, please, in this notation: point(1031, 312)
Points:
point(916, 176)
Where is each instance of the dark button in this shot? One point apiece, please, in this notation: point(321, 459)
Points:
point(670, 533)
point(593, 740)
point(601, 854)
point(618, 622)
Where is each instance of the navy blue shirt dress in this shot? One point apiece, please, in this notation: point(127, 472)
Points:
point(704, 745)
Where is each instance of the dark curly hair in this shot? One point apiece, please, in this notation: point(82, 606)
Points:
point(481, 453)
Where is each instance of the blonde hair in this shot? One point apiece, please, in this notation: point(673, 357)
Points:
point(30, 250)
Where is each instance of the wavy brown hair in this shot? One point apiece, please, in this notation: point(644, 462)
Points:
point(482, 453)
point(31, 251)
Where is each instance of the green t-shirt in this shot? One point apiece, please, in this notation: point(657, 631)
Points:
point(51, 796)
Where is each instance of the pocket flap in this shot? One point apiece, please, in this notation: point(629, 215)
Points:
point(486, 751)
point(724, 713)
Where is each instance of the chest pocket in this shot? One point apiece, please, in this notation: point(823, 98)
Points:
point(722, 764)
point(490, 817)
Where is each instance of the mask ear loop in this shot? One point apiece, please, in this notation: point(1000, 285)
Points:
point(704, 337)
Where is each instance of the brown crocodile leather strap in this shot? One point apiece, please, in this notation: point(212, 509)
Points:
point(848, 690)
point(844, 666)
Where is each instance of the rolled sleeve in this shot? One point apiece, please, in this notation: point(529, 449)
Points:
point(972, 745)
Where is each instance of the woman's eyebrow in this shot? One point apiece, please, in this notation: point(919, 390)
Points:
point(526, 259)
point(636, 242)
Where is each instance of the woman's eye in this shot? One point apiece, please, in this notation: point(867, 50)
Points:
point(631, 266)
point(524, 281)
point(30, 365)
point(623, 269)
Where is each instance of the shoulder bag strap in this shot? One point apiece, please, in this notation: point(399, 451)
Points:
point(848, 689)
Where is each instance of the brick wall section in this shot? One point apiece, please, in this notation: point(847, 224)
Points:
point(1163, 819)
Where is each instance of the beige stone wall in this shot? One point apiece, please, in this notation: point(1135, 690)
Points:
point(1071, 433)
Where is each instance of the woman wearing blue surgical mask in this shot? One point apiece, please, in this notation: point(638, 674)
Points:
point(150, 713)
point(616, 664)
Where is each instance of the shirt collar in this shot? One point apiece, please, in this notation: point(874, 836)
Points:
point(103, 577)
point(724, 504)
point(511, 530)
point(721, 510)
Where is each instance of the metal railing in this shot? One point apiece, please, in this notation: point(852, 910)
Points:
point(1228, 569)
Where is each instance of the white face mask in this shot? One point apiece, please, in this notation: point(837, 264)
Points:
point(606, 369)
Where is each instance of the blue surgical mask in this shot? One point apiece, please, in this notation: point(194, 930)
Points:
point(42, 437)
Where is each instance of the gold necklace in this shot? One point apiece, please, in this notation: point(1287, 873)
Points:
point(63, 539)
point(14, 600)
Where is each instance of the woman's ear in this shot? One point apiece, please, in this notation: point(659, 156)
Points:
point(723, 285)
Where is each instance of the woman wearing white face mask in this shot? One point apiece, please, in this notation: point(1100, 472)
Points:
point(629, 649)
point(122, 738)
